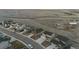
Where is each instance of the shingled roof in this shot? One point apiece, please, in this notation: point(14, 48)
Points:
point(4, 38)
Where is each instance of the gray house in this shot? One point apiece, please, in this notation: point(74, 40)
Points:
point(4, 41)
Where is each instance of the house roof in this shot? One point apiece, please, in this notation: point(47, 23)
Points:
point(4, 38)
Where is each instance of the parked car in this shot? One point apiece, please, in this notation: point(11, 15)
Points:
point(30, 46)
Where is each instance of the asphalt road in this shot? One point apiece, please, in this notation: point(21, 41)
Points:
point(22, 38)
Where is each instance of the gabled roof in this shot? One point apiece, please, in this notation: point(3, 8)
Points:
point(4, 38)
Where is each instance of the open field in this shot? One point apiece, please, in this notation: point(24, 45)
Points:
point(46, 17)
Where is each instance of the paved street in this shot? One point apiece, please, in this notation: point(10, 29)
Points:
point(22, 38)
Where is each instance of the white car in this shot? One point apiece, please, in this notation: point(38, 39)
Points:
point(30, 46)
